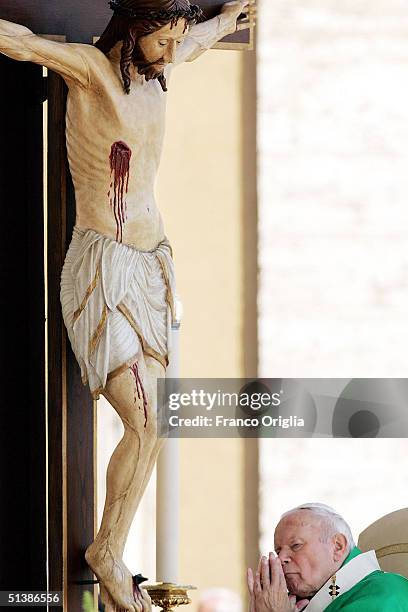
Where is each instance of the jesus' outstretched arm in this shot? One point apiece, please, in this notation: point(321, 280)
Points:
point(18, 42)
point(203, 36)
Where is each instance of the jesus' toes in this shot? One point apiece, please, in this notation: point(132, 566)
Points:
point(111, 606)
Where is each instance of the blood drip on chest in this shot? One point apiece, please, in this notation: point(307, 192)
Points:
point(140, 392)
point(119, 159)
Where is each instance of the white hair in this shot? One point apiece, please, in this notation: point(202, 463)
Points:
point(332, 520)
point(220, 600)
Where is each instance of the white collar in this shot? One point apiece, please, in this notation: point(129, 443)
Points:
point(348, 576)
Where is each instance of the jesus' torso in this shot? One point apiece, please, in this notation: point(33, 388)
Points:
point(114, 143)
point(114, 140)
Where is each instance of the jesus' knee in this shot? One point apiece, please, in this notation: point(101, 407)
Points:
point(140, 421)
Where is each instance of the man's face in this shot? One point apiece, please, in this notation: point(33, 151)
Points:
point(159, 48)
point(308, 557)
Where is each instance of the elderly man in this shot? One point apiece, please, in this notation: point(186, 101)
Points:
point(318, 567)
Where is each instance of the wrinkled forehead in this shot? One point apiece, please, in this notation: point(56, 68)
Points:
point(304, 524)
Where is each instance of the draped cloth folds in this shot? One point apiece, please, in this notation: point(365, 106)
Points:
point(117, 304)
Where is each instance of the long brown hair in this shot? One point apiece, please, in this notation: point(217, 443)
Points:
point(133, 19)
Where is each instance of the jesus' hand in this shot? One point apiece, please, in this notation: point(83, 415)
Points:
point(231, 11)
point(268, 591)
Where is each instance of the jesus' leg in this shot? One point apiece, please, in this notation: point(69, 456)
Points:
point(128, 473)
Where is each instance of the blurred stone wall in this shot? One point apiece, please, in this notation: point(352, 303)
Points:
point(333, 143)
point(333, 181)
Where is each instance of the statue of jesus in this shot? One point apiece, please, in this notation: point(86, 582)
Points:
point(117, 284)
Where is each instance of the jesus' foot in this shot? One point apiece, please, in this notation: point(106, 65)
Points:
point(108, 603)
point(114, 577)
point(143, 601)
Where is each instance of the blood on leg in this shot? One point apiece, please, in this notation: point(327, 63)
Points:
point(135, 400)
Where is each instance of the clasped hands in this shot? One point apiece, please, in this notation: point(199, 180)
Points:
point(267, 588)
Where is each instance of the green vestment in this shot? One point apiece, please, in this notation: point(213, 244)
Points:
point(377, 592)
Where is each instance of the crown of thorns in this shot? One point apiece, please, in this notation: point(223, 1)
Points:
point(194, 12)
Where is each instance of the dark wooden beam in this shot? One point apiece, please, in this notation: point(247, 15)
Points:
point(56, 333)
point(71, 426)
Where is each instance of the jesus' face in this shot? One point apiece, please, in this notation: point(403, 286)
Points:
point(159, 48)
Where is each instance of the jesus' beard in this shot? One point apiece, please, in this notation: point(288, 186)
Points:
point(150, 70)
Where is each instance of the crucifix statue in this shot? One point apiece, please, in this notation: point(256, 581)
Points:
point(117, 284)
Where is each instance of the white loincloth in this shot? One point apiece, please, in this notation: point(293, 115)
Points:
point(117, 304)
